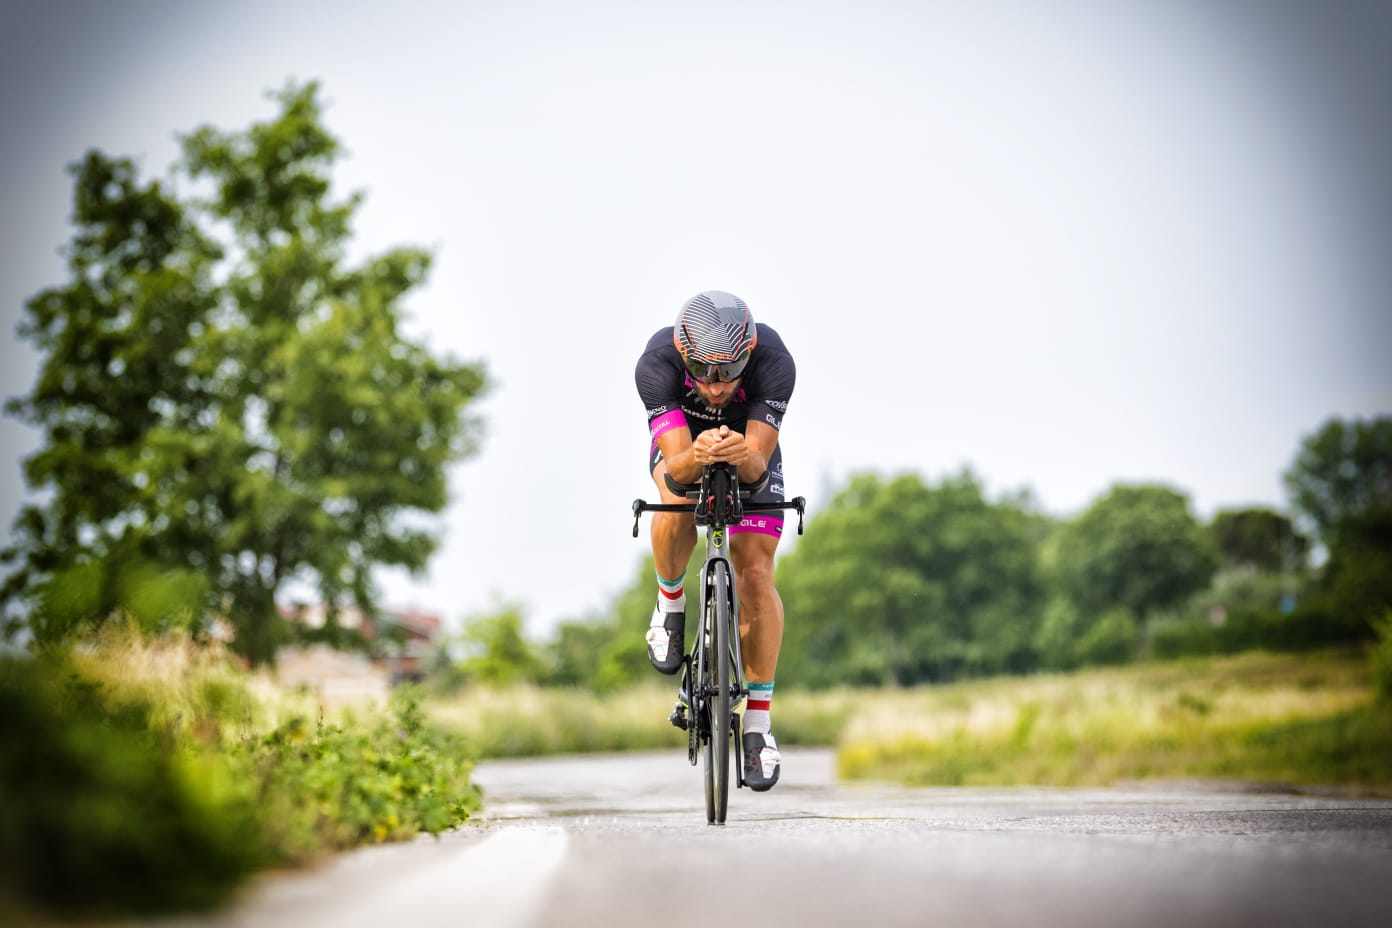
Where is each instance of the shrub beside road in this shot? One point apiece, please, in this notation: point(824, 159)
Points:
point(142, 777)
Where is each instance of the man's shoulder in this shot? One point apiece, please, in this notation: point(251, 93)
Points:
point(662, 339)
point(659, 369)
point(769, 339)
point(771, 372)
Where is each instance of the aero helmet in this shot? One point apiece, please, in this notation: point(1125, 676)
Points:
point(715, 335)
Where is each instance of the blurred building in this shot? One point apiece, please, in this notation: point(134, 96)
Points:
point(338, 678)
point(410, 635)
point(397, 641)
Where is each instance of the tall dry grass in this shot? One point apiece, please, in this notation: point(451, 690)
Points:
point(189, 685)
point(526, 720)
point(1306, 718)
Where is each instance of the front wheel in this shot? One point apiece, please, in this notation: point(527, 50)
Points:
point(701, 710)
point(717, 675)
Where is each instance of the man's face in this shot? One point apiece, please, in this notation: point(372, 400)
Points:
point(716, 394)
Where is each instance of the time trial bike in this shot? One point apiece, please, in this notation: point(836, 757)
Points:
point(712, 677)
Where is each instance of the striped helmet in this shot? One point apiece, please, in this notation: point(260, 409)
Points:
point(715, 335)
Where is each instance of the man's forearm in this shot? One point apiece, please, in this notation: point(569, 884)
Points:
point(683, 467)
point(753, 467)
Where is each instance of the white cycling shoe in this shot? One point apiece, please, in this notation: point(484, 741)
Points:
point(666, 641)
point(762, 762)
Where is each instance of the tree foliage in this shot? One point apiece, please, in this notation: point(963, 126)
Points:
point(902, 581)
point(498, 650)
point(1259, 538)
point(1137, 547)
point(222, 391)
point(608, 652)
point(1341, 482)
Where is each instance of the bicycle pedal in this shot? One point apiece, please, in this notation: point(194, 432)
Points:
point(678, 717)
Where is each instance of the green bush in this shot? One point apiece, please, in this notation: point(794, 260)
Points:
point(499, 652)
point(104, 813)
point(1057, 637)
point(1382, 660)
point(1240, 612)
point(1112, 639)
point(331, 786)
point(142, 777)
point(1317, 623)
point(1180, 636)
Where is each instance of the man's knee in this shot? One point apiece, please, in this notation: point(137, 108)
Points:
point(754, 575)
point(674, 524)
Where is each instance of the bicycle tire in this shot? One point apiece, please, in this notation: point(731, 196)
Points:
point(703, 716)
point(721, 704)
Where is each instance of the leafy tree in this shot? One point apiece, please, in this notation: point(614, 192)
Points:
point(1112, 639)
point(1056, 639)
point(1341, 479)
point(1258, 538)
point(1137, 547)
point(619, 656)
point(1341, 483)
point(902, 581)
point(223, 392)
point(574, 655)
point(500, 652)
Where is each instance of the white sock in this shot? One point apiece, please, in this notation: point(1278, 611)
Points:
point(671, 597)
point(666, 607)
point(758, 706)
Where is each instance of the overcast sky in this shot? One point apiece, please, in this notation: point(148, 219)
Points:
point(1067, 244)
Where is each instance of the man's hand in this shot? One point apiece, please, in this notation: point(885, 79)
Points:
point(720, 446)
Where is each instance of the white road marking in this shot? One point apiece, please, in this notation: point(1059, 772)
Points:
point(498, 882)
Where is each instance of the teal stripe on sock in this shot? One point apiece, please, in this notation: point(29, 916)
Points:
point(670, 584)
point(761, 687)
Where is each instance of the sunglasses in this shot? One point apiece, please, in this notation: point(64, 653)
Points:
point(710, 373)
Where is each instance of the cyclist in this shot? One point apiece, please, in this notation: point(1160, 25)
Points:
point(716, 386)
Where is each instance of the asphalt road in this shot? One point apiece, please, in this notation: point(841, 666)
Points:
point(620, 840)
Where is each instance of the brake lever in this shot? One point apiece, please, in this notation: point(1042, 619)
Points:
point(638, 511)
point(801, 504)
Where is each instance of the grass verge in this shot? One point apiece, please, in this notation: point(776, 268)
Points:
point(526, 721)
point(151, 776)
point(1297, 719)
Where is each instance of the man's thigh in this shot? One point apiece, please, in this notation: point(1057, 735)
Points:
point(753, 550)
point(766, 525)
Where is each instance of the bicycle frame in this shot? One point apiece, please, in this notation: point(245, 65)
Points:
point(716, 545)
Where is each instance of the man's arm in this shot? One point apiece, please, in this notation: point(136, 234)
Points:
point(680, 454)
point(749, 452)
point(761, 440)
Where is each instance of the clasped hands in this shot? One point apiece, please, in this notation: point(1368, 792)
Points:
point(720, 446)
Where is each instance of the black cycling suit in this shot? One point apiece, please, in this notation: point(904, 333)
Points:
point(669, 394)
